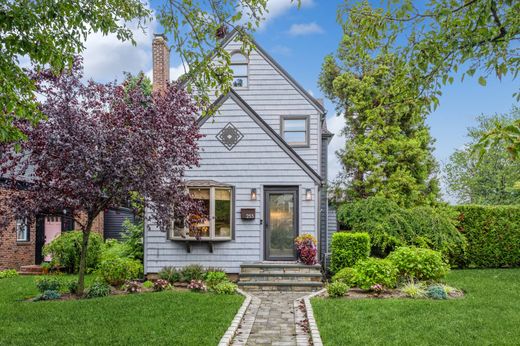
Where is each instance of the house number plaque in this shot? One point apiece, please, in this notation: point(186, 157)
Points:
point(247, 213)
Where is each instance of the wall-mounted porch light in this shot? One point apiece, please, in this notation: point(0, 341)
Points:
point(253, 194)
point(308, 195)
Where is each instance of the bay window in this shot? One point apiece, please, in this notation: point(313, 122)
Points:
point(215, 222)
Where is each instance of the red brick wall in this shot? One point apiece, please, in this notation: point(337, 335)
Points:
point(14, 254)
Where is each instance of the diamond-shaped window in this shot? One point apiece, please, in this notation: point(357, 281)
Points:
point(229, 136)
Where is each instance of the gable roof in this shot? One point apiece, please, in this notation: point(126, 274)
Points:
point(267, 129)
point(313, 101)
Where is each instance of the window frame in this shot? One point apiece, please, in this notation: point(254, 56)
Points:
point(212, 217)
point(22, 221)
point(246, 64)
point(305, 144)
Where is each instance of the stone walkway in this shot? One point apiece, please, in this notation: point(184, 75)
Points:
point(273, 318)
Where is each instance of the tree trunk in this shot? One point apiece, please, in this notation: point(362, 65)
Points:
point(83, 257)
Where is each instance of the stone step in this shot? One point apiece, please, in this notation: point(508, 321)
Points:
point(280, 286)
point(273, 276)
point(279, 268)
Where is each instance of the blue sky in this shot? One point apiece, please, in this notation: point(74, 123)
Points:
point(299, 40)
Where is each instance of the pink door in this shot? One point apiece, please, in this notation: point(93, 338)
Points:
point(52, 230)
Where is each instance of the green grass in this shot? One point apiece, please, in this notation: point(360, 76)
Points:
point(165, 318)
point(489, 314)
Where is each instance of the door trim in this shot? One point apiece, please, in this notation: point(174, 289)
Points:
point(282, 189)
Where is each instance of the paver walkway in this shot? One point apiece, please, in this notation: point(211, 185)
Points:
point(270, 320)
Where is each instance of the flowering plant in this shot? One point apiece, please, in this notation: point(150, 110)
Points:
point(160, 285)
point(306, 247)
point(197, 286)
point(377, 288)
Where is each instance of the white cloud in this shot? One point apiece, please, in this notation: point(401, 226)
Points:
point(305, 29)
point(106, 58)
point(335, 124)
point(276, 8)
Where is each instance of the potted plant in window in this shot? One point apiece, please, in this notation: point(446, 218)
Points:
point(306, 248)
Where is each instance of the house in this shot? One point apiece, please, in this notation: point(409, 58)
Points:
point(21, 243)
point(262, 171)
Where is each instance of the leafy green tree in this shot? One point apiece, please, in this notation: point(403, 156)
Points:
point(444, 38)
point(50, 33)
point(489, 178)
point(388, 150)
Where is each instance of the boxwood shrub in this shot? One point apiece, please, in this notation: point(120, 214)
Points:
point(347, 249)
point(492, 233)
point(418, 263)
point(373, 271)
point(347, 276)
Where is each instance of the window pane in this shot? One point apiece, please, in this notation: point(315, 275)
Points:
point(295, 137)
point(240, 82)
point(200, 223)
point(239, 70)
point(294, 125)
point(222, 213)
point(238, 58)
point(22, 230)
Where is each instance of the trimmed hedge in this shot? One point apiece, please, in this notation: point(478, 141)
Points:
point(492, 234)
point(347, 249)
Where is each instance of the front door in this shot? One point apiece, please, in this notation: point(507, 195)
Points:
point(281, 223)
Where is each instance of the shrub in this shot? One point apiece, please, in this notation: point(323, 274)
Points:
point(148, 284)
point(113, 249)
point(8, 273)
point(192, 272)
point(116, 271)
point(66, 249)
point(98, 289)
point(347, 276)
point(492, 233)
point(160, 285)
point(170, 274)
point(391, 226)
point(374, 271)
point(435, 228)
point(133, 239)
point(306, 248)
point(347, 249)
point(225, 288)
point(48, 295)
point(436, 292)
point(421, 264)
point(132, 287)
point(414, 289)
point(337, 289)
point(385, 222)
point(72, 286)
point(214, 278)
point(49, 283)
point(197, 286)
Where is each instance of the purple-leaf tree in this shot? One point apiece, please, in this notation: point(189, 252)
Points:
point(99, 144)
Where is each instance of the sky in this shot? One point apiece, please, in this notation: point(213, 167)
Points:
point(299, 39)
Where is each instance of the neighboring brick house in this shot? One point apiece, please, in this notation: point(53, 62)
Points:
point(22, 244)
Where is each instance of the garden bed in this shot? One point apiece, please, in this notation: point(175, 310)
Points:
point(357, 293)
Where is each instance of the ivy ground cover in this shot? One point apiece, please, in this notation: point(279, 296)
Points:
point(163, 318)
point(488, 314)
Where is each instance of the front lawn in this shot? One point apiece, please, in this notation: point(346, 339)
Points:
point(488, 314)
point(164, 318)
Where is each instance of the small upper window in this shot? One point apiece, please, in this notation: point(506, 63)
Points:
point(22, 229)
point(295, 130)
point(239, 67)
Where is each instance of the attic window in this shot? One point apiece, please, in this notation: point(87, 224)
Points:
point(239, 67)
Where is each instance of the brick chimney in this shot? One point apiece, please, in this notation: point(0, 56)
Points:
point(161, 62)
